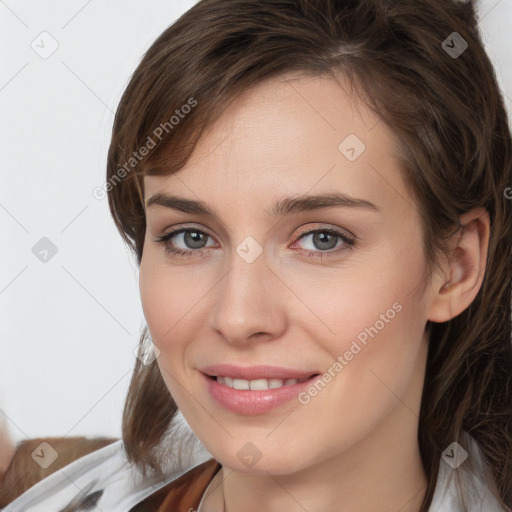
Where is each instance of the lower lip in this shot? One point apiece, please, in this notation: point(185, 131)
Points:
point(243, 401)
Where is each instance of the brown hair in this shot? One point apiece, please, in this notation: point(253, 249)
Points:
point(448, 115)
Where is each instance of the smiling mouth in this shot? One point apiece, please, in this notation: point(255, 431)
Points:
point(258, 384)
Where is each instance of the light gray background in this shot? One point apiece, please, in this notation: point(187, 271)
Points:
point(68, 326)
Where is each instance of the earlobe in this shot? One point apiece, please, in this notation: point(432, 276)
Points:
point(465, 269)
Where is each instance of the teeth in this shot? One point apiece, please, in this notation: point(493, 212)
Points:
point(240, 384)
point(258, 384)
point(275, 383)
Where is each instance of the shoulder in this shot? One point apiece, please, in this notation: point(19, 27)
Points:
point(103, 478)
point(33, 460)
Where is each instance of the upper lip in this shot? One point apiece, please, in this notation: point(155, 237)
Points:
point(255, 372)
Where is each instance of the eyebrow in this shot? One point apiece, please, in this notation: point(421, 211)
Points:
point(284, 206)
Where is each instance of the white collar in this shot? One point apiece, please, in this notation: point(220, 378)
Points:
point(470, 477)
point(123, 487)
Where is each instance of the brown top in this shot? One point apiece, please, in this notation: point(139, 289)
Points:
point(183, 494)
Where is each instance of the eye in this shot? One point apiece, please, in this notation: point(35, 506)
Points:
point(192, 238)
point(324, 240)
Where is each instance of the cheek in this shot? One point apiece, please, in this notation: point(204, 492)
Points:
point(172, 299)
point(369, 292)
point(154, 300)
point(163, 308)
point(161, 303)
point(373, 319)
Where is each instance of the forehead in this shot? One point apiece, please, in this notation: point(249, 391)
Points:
point(291, 135)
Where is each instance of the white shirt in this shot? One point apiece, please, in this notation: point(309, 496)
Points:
point(123, 487)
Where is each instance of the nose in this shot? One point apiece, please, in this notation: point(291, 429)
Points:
point(250, 302)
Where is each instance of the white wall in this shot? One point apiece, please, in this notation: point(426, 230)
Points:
point(68, 326)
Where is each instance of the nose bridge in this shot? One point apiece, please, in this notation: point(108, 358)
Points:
point(245, 304)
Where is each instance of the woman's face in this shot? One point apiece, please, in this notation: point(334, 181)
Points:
point(333, 291)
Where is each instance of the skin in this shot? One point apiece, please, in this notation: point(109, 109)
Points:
point(354, 445)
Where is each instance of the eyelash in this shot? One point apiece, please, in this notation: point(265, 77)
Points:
point(349, 242)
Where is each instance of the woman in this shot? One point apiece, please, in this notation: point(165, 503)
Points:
point(315, 193)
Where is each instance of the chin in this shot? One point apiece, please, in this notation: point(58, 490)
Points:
point(260, 464)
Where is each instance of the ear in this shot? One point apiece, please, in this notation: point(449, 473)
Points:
point(454, 291)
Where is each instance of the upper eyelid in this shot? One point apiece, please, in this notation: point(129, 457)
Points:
point(324, 226)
